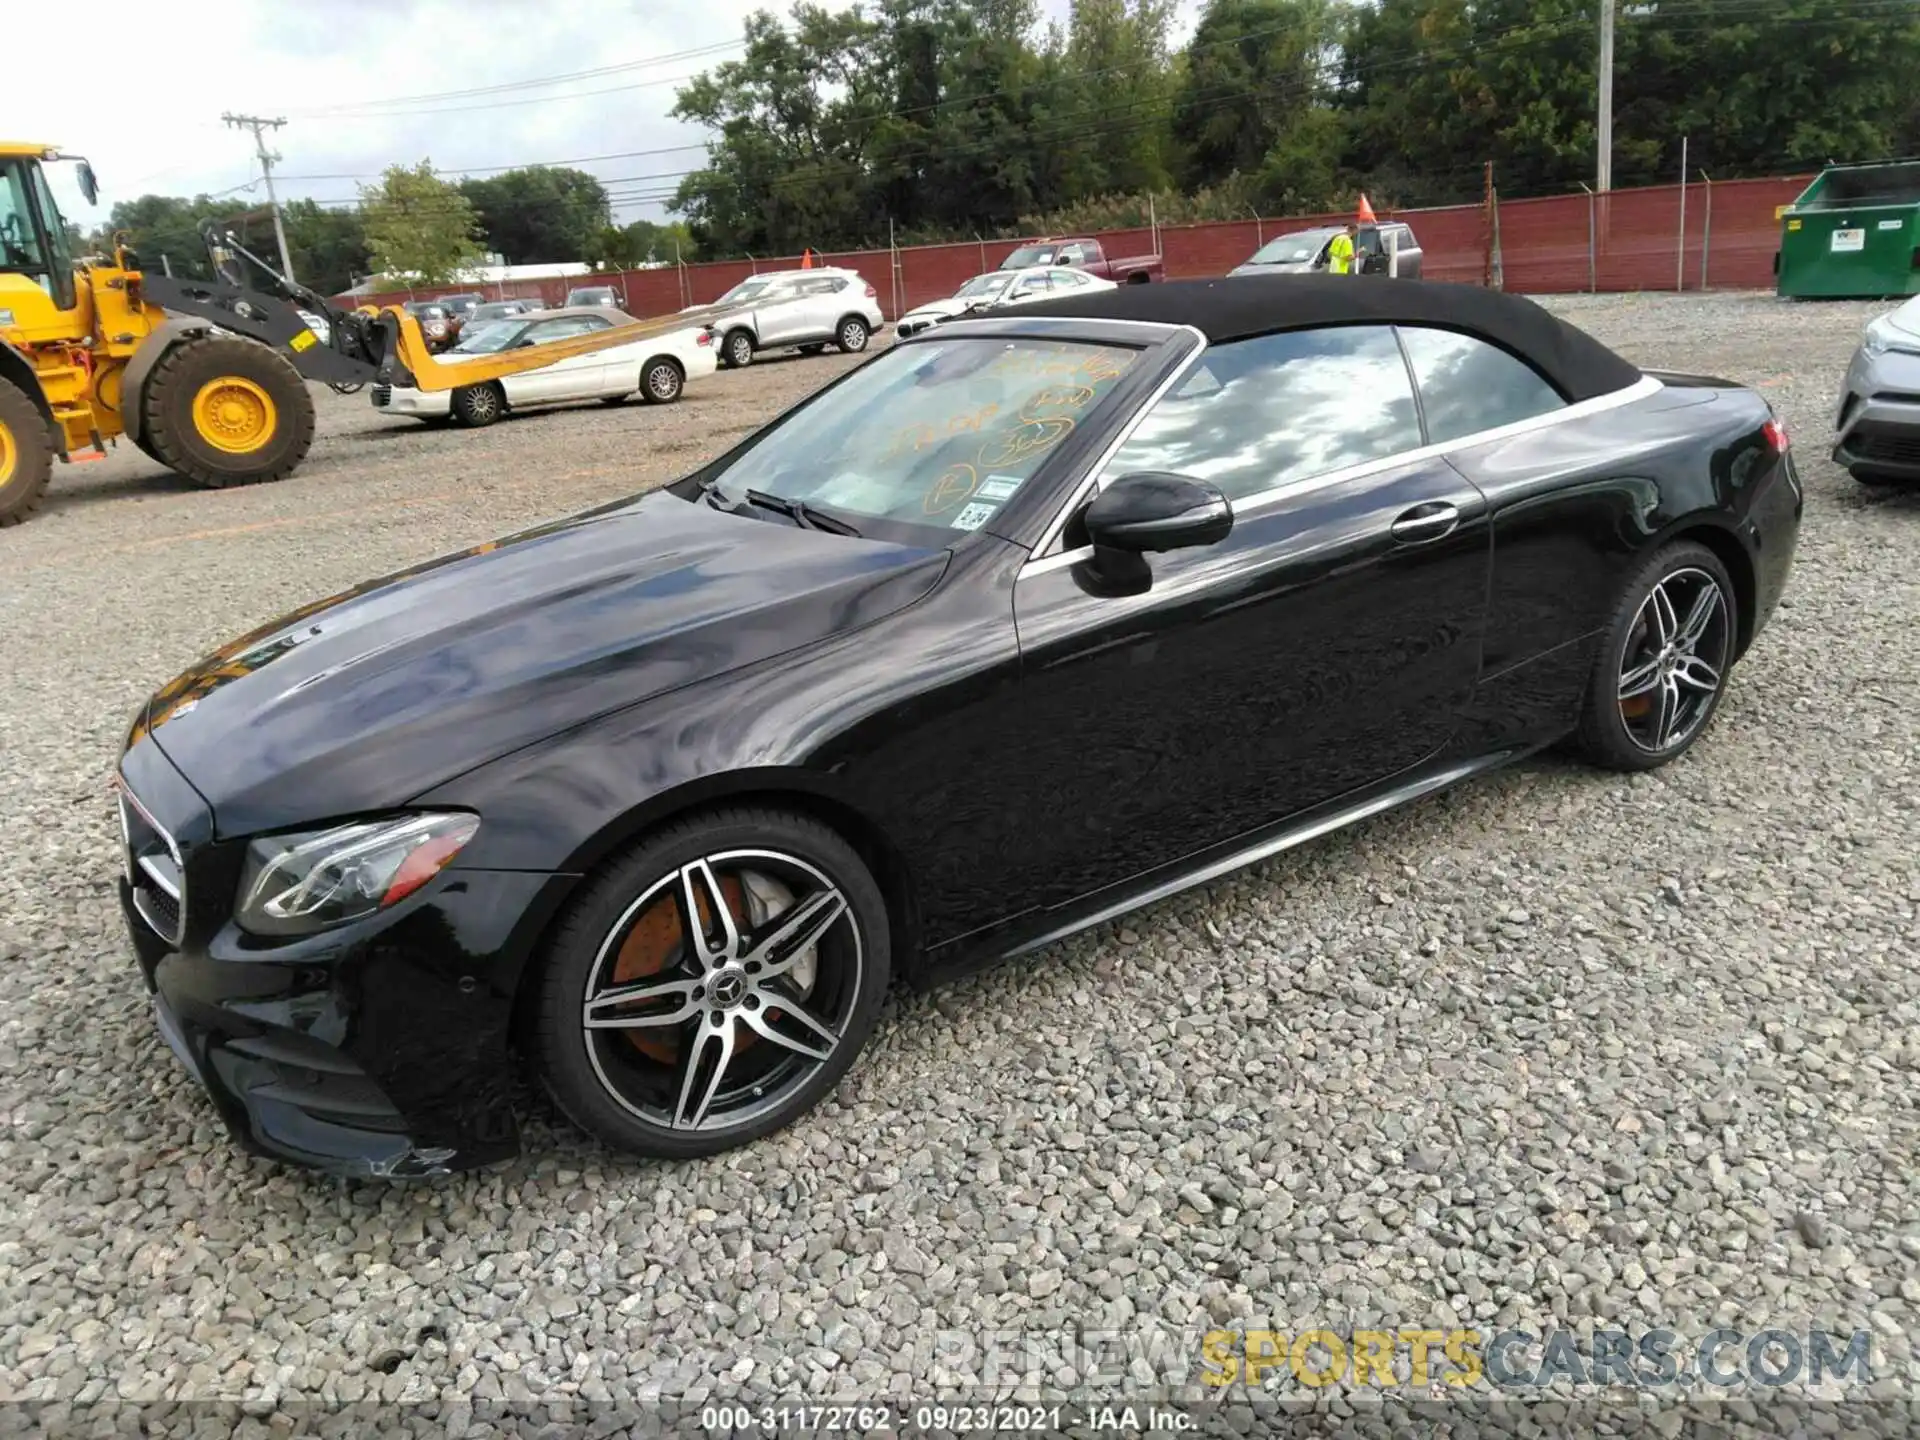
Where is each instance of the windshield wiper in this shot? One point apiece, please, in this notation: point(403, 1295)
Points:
point(801, 513)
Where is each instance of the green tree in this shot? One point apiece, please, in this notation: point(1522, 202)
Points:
point(1118, 82)
point(1253, 102)
point(164, 230)
point(644, 242)
point(539, 214)
point(329, 247)
point(418, 224)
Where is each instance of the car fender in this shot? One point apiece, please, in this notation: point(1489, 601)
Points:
point(162, 339)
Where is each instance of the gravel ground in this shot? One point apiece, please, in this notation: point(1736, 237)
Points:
point(1556, 1048)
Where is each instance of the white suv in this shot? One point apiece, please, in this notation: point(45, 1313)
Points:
point(804, 310)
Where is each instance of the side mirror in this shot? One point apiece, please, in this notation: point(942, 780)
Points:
point(89, 186)
point(1154, 511)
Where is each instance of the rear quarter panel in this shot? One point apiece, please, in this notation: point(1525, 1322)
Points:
point(1579, 505)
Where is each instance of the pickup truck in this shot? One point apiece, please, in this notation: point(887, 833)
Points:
point(1085, 254)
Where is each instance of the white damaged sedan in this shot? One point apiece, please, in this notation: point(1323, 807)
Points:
point(657, 367)
point(1002, 287)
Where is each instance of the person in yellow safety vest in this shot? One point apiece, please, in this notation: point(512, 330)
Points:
point(1340, 251)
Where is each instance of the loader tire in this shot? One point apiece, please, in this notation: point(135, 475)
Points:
point(26, 455)
point(224, 411)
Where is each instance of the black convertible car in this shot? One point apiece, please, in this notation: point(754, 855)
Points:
point(1022, 624)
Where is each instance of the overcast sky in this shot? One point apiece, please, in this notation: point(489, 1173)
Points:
point(344, 74)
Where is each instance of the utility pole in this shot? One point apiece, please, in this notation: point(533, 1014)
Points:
point(1604, 176)
point(258, 125)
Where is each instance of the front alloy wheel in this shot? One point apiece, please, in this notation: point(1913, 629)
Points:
point(1663, 669)
point(713, 986)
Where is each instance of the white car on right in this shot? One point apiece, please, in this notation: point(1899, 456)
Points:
point(1002, 287)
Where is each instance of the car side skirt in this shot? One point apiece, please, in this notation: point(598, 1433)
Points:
point(1028, 933)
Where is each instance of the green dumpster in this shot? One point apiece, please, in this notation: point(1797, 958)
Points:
point(1854, 232)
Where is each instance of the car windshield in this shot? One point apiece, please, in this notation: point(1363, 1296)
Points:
point(983, 285)
point(1291, 249)
point(496, 310)
point(939, 434)
point(1030, 255)
point(488, 337)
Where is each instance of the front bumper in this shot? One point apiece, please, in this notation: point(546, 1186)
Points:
point(1877, 428)
point(378, 1049)
point(405, 400)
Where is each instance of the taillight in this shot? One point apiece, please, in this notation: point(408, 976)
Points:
point(705, 337)
point(1776, 434)
point(872, 293)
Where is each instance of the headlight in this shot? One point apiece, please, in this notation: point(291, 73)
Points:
point(299, 884)
point(1883, 335)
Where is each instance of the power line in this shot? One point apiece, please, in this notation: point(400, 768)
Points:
point(541, 82)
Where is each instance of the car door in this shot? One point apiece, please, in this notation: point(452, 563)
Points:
point(1331, 641)
point(574, 378)
point(781, 315)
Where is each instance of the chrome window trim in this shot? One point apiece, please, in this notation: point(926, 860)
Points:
point(1042, 562)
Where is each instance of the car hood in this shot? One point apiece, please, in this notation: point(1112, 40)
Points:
point(369, 698)
point(938, 310)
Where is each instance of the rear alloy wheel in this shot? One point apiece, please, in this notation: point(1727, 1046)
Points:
point(478, 405)
point(26, 455)
point(738, 350)
point(713, 985)
point(662, 382)
point(852, 335)
point(1663, 668)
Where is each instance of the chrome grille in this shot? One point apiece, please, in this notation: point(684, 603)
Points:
point(154, 868)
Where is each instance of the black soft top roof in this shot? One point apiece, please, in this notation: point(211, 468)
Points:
point(1240, 306)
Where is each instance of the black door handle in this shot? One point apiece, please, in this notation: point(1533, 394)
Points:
point(1425, 523)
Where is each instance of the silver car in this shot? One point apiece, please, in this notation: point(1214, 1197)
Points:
point(1877, 429)
point(804, 310)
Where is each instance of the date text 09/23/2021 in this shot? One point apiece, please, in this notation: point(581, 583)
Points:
point(947, 1419)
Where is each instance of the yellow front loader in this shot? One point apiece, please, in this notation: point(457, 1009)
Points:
point(207, 377)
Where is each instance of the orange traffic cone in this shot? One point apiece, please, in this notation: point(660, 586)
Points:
point(806, 259)
point(1366, 215)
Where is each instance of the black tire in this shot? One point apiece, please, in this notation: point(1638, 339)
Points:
point(26, 455)
point(1622, 725)
point(172, 400)
point(598, 1077)
point(477, 406)
point(662, 380)
point(736, 351)
point(851, 335)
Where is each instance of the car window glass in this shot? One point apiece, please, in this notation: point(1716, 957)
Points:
point(1467, 385)
point(19, 241)
point(1263, 412)
point(561, 329)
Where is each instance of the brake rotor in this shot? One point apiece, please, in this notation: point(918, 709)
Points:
point(657, 943)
